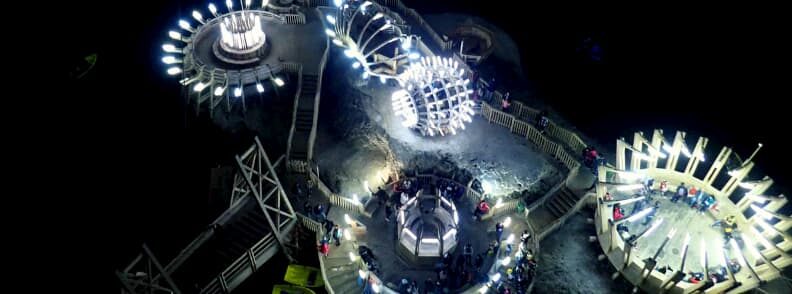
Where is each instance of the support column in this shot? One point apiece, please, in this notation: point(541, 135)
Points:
point(635, 160)
point(698, 152)
point(657, 142)
point(676, 147)
point(717, 165)
point(621, 155)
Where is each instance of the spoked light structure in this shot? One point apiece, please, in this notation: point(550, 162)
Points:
point(220, 54)
point(435, 98)
point(371, 37)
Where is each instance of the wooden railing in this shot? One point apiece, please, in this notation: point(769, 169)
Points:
point(334, 198)
point(531, 133)
point(246, 261)
point(294, 18)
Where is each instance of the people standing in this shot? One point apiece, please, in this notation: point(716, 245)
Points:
point(498, 231)
point(681, 191)
point(337, 234)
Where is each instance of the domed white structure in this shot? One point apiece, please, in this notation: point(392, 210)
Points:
point(435, 97)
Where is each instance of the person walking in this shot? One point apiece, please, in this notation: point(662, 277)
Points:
point(337, 234)
point(498, 231)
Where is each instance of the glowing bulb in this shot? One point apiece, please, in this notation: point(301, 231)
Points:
point(331, 19)
point(506, 261)
point(247, 3)
point(330, 32)
point(382, 79)
point(377, 16)
point(238, 92)
point(184, 25)
point(197, 16)
point(199, 87)
point(174, 71)
point(264, 3)
point(170, 48)
point(259, 88)
point(355, 64)
point(279, 82)
point(407, 44)
point(169, 60)
point(338, 42)
point(338, 2)
point(174, 35)
point(219, 91)
point(496, 277)
point(229, 4)
point(212, 8)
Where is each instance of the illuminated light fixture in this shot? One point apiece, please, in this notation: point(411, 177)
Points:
point(349, 53)
point(170, 48)
point(170, 60)
point(238, 92)
point(351, 256)
point(747, 185)
point(197, 16)
point(175, 35)
point(185, 25)
point(279, 82)
point(414, 56)
point(338, 2)
point(174, 71)
point(450, 233)
point(338, 42)
point(629, 187)
point(230, 5)
point(264, 3)
point(199, 87)
point(330, 32)
point(348, 219)
point(483, 289)
point(259, 88)
point(219, 91)
point(377, 16)
point(667, 147)
point(506, 261)
point(330, 19)
point(213, 9)
point(430, 241)
point(507, 222)
point(382, 79)
point(247, 3)
point(640, 214)
point(685, 151)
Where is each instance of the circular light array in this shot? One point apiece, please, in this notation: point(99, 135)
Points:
point(370, 36)
point(435, 99)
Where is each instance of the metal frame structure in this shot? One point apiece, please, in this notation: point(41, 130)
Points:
point(142, 277)
point(255, 178)
point(258, 179)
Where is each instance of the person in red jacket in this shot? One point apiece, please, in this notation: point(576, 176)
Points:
point(617, 212)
